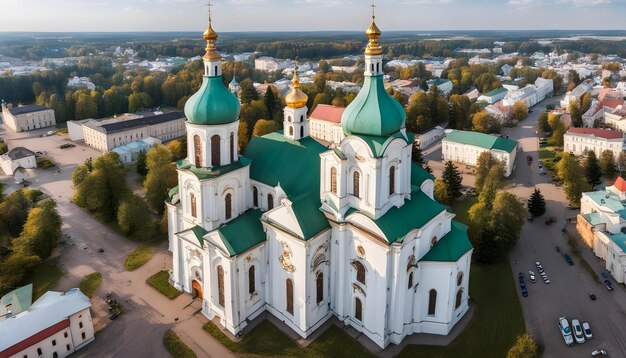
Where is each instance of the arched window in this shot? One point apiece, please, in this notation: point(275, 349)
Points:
point(319, 283)
point(255, 197)
point(289, 119)
point(290, 130)
point(410, 280)
point(270, 201)
point(302, 118)
point(433, 241)
point(378, 67)
point(333, 180)
point(232, 147)
point(432, 302)
point(216, 70)
point(392, 180)
point(192, 201)
point(228, 206)
point(459, 297)
point(289, 292)
point(360, 271)
point(215, 151)
point(358, 309)
point(372, 67)
point(251, 280)
point(301, 132)
point(459, 278)
point(220, 285)
point(356, 180)
point(197, 150)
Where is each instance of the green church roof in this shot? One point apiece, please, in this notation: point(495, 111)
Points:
point(199, 232)
point(212, 172)
point(20, 300)
point(373, 112)
point(482, 140)
point(213, 104)
point(451, 247)
point(242, 233)
point(295, 165)
point(419, 175)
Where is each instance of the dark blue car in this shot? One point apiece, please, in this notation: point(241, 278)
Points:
point(522, 284)
point(568, 260)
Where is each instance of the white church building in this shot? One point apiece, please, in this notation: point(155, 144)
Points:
point(305, 232)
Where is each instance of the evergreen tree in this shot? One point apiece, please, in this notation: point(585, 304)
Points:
point(161, 177)
point(592, 169)
point(453, 180)
point(142, 169)
point(270, 102)
point(607, 163)
point(248, 92)
point(536, 204)
point(417, 156)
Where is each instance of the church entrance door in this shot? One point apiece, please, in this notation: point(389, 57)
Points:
point(197, 289)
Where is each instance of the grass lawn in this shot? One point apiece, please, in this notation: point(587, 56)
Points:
point(546, 154)
point(90, 284)
point(267, 340)
point(44, 278)
point(160, 283)
point(461, 208)
point(497, 319)
point(176, 347)
point(139, 257)
point(44, 163)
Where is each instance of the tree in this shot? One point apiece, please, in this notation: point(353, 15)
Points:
point(524, 347)
point(543, 122)
point(536, 203)
point(15, 267)
point(442, 193)
point(577, 116)
point(248, 92)
point(264, 126)
point(585, 102)
point(42, 230)
point(14, 212)
point(452, 179)
point(178, 148)
point(418, 113)
point(621, 164)
point(593, 173)
point(161, 177)
point(607, 163)
point(574, 184)
point(507, 219)
point(418, 157)
point(137, 101)
point(133, 215)
point(485, 123)
point(484, 163)
point(520, 111)
point(3, 148)
point(271, 103)
point(493, 181)
point(142, 169)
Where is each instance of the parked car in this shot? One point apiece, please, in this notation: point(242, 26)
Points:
point(608, 284)
point(566, 331)
point(49, 133)
point(578, 331)
point(599, 353)
point(529, 217)
point(520, 277)
point(67, 145)
point(522, 284)
point(539, 267)
point(592, 296)
point(604, 275)
point(587, 331)
point(540, 164)
point(568, 259)
point(531, 276)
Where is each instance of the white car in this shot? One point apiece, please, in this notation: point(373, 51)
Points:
point(531, 277)
point(566, 332)
point(587, 331)
point(578, 332)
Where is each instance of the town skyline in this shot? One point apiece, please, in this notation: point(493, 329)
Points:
point(393, 15)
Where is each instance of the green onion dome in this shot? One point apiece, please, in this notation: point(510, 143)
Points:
point(373, 112)
point(213, 104)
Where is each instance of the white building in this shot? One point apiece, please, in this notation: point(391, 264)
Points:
point(527, 95)
point(602, 225)
point(579, 141)
point(544, 88)
point(493, 96)
point(465, 147)
point(108, 134)
point(576, 94)
point(443, 85)
point(26, 118)
point(426, 139)
point(616, 118)
point(81, 82)
point(270, 64)
point(506, 69)
point(325, 123)
point(56, 325)
point(307, 233)
point(18, 157)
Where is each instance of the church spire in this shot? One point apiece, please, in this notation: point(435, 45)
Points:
point(296, 98)
point(373, 32)
point(211, 38)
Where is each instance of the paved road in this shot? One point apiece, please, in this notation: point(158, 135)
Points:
point(567, 293)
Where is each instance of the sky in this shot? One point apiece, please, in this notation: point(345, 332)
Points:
point(309, 15)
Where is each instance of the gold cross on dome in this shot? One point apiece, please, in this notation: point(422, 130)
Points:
point(209, 5)
point(373, 6)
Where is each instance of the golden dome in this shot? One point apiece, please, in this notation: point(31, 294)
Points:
point(296, 98)
point(211, 37)
point(373, 32)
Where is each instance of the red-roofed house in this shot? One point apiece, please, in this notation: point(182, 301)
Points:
point(620, 185)
point(325, 123)
point(579, 141)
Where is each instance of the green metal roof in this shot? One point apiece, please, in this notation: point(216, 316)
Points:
point(495, 92)
point(451, 247)
point(378, 144)
point(242, 233)
point(20, 300)
point(397, 222)
point(199, 232)
point(593, 218)
point(212, 172)
point(481, 140)
point(437, 81)
point(419, 175)
point(295, 165)
point(171, 193)
point(619, 239)
point(609, 200)
point(373, 112)
point(213, 104)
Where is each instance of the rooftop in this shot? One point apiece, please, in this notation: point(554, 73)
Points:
point(31, 108)
point(242, 233)
point(18, 299)
point(19, 153)
point(139, 122)
point(482, 140)
point(619, 239)
point(328, 113)
point(597, 132)
point(451, 247)
point(495, 92)
point(50, 309)
point(608, 200)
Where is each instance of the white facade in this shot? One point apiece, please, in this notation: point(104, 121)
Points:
point(18, 157)
point(576, 94)
point(493, 96)
point(544, 88)
point(247, 235)
point(527, 95)
point(427, 139)
point(56, 325)
point(456, 149)
point(26, 118)
point(579, 141)
point(270, 64)
point(325, 124)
